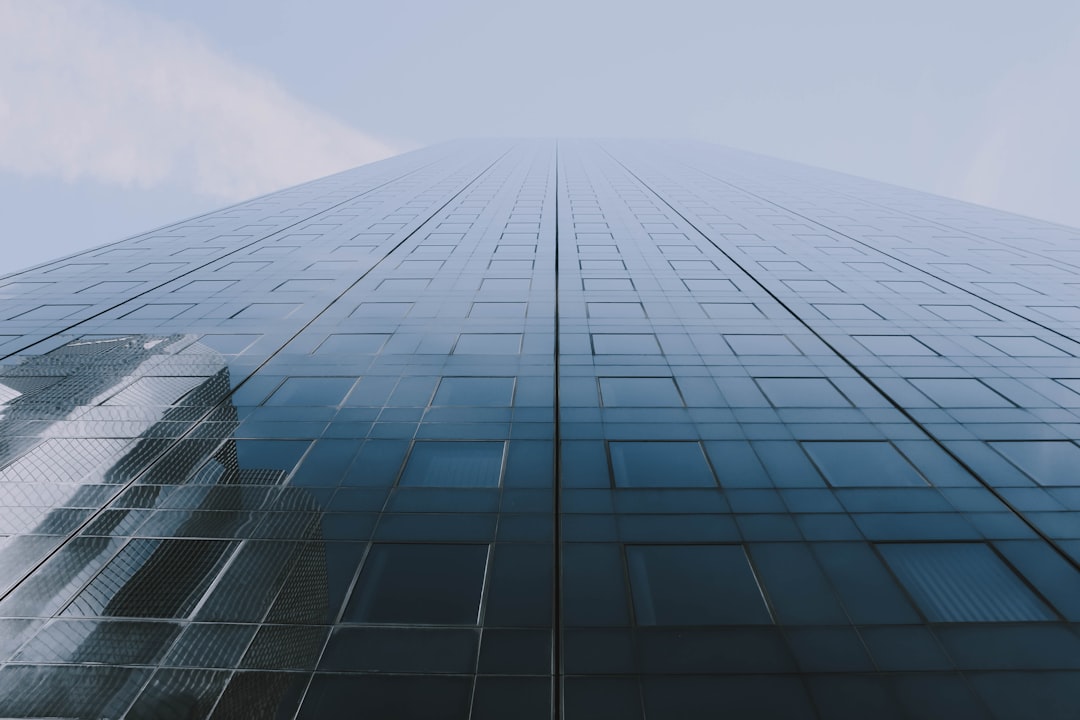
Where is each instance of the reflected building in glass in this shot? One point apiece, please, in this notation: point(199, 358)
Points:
point(543, 430)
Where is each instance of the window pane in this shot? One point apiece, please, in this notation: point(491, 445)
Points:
point(842, 311)
point(863, 464)
point(615, 310)
point(497, 310)
point(357, 344)
point(802, 392)
point(640, 392)
point(488, 344)
point(430, 584)
point(893, 345)
point(619, 344)
point(732, 311)
point(476, 392)
point(963, 582)
point(1024, 346)
point(660, 464)
point(1049, 462)
point(454, 464)
point(694, 585)
point(311, 391)
point(761, 345)
point(959, 392)
point(959, 312)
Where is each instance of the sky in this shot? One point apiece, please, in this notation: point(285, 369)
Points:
point(119, 116)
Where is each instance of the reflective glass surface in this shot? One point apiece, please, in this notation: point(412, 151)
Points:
point(526, 429)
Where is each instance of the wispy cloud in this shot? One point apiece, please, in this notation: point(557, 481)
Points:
point(91, 90)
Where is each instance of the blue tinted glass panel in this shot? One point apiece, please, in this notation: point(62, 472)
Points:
point(1055, 462)
point(424, 584)
point(660, 464)
point(454, 464)
point(486, 392)
point(761, 345)
point(621, 344)
point(841, 311)
point(357, 343)
point(694, 585)
point(1024, 346)
point(731, 311)
point(311, 391)
point(488, 344)
point(615, 310)
point(893, 345)
point(863, 464)
point(959, 392)
point(963, 582)
point(640, 392)
point(802, 392)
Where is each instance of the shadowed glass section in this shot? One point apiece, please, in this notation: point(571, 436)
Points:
point(426, 584)
point(660, 464)
point(311, 391)
point(454, 464)
point(694, 585)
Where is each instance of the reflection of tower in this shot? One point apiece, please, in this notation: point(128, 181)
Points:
point(95, 437)
point(219, 541)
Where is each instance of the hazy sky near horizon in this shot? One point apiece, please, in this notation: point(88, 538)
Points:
point(117, 116)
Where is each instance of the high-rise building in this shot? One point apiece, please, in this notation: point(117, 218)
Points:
point(586, 430)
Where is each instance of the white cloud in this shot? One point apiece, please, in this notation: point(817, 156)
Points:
point(94, 91)
point(1026, 154)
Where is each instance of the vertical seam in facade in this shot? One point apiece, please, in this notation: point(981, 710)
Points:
point(556, 584)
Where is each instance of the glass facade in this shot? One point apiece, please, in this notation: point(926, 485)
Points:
point(532, 429)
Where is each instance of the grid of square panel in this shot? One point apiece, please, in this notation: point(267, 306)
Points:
point(971, 384)
point(536, 429)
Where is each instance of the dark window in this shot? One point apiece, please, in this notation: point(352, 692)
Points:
point(694, 585)
point(660, 464)
point(454, 464)
point(312, 391)
point(417, 583)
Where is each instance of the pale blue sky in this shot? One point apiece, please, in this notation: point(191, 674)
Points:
point(120, 115)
